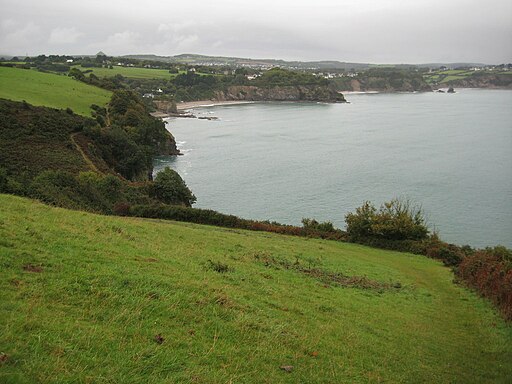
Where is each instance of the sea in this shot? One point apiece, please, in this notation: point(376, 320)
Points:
point(451, 154)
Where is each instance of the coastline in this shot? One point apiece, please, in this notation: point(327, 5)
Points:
point(186, 105)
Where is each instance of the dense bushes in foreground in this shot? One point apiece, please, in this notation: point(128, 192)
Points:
point(210, 217)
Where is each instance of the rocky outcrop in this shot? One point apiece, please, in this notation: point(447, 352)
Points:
point(167, 107)
point(384, 84)
point(315, 93)
point(168, 147)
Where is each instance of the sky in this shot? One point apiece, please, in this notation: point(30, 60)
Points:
point(370, 31)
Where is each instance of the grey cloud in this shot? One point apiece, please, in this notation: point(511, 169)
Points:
point(347, 30)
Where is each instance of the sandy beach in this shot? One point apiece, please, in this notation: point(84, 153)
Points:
point(183, 106)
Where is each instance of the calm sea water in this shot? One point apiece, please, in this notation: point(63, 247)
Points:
point(451, 153)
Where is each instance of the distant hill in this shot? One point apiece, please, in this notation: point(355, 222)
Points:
point(451, 65)
point(238, 61)
point(195, 59)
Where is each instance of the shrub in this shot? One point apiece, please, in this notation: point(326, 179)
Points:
point(312, 224)
point(490, 274)
point(395, 220)
point(121, 208)
point(3, 180)
point(170, 188)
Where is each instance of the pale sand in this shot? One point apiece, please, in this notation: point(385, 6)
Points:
point(206, 103)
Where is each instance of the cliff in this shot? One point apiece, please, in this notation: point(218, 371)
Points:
point(313, 93)
point(168, 146)
point(382, 84)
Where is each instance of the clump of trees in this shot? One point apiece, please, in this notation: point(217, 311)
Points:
point(170, 188)
point(131, 138)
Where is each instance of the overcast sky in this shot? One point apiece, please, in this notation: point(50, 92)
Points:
point(376, 31)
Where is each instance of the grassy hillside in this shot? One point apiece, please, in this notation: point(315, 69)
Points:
point(131, 72)
point(88, 298)
point(456, 76)
point(50, 90)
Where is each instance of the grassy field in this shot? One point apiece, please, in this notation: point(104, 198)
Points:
point(134, 73)
point(442, 77)
point(50, 90)
point(88, 298)
point(131, 72)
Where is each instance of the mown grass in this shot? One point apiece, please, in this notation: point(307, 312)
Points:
point(89, 298)
point(50, 90)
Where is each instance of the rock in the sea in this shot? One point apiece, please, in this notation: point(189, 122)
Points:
point(451, 90)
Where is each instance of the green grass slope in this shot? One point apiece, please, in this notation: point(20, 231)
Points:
point(50, 90)
point(131, 72)
point(89, 298)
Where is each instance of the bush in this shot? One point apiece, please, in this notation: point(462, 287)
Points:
point(121, 208)
point(170, 188)
point(3, 180)
point(489, 272)
point(395, 220)
point(312, 224)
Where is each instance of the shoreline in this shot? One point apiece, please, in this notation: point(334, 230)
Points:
point(186, 105)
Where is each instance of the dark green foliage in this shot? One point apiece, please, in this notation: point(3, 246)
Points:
point(170, 188)
point(133, 138)
point(191, 86)
point(110, 83)
point(3, 180)
point(283, 77)
point(313, 225)
point(210, 217)
point(77, 74)
point(40, 157)
point(88, 191)
point(35, 139)
point(395, 220)
point(121, 152)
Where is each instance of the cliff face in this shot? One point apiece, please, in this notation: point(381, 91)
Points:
point(381, 84)
point(168, 146)
point(165, 106)
point(280, 93)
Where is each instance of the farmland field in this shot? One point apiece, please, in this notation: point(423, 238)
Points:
point(50, 90)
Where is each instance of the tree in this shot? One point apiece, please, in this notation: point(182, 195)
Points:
point(170, 188)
